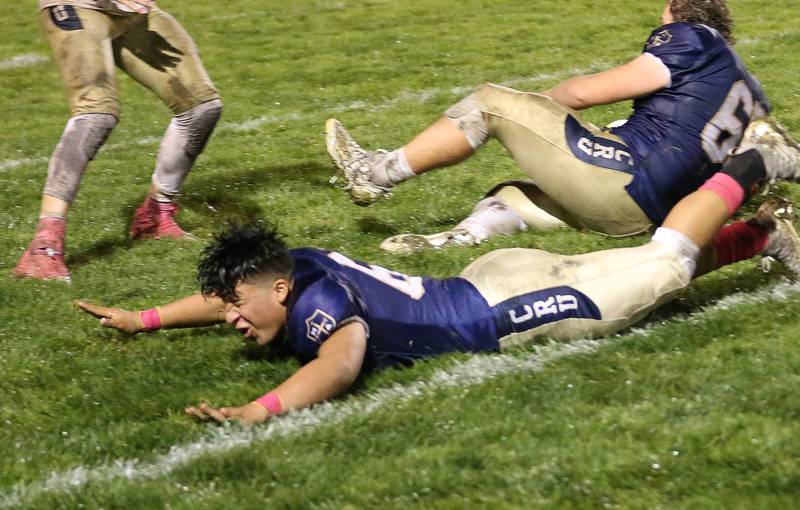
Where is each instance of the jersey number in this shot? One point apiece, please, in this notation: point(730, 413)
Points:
point(724, 131)
point(411, 286)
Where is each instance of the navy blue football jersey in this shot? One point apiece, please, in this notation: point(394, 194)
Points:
point(406, 317)
point(680, 135)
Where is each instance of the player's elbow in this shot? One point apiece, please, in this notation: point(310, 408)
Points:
point(572, 94)
point(343, 376)
point(578, 97)
point(347, 376)
point(350, 365)
point(346, 355)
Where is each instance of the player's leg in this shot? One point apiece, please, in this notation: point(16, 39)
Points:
point(162, 56)
point(537, 293)
point(81, 42)
point(446, 142)
point(369, 175)
point(580, 173)
point(508, 208)
point(771, 232)
point(579, 168)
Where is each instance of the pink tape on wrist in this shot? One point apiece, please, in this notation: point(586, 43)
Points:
point(726, 188)
point(271, 402)
point(150, 319)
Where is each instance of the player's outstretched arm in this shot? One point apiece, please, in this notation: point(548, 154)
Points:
point(192, 311)
point(641, 76)
point(333, 371)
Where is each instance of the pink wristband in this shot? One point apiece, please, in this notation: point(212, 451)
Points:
point(726, 188)
point(271, 403)
point(150, 319)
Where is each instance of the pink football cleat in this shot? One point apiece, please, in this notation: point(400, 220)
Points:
point(156, 220)
point(44, 258)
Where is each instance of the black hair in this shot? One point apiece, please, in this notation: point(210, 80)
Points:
point(239, 253)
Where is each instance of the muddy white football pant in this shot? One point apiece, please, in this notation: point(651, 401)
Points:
point(566, 297)
point(532, 127)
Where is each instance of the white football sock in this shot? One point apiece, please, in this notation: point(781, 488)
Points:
point(686, 249)
point(391, 168)
point(492, 216)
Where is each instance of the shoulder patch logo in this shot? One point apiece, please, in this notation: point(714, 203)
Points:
point(320, 323)
point(65, 17)
point(659, 39)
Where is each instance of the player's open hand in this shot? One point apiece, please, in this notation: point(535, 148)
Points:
point(117, 318)
point(248, 414)
point(140, 6)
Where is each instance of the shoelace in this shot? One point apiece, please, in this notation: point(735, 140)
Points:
point(50, 252)
point(765, 264)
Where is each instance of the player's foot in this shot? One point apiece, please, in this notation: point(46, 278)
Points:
point(491, 216)
point(777, 215)
point(411, 243)
point(355, 164)
point(44, 257)
point(781, 153)
point(156, 220)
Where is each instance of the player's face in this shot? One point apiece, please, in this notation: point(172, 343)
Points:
point(259, 312)
point(666, 16)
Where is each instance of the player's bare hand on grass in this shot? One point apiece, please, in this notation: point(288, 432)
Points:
point(122, 320)
point(248, 414)
point(140, 6)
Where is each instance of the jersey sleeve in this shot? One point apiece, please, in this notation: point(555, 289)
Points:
point(322, 309)
point(679, 48)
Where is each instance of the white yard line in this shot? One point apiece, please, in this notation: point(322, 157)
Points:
point(405, 97)
point(14, 163)
point(475, 370)
point(25, 60)
point(42, 160)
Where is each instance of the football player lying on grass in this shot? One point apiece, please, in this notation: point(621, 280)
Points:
point(342, 317)
point(693, 101)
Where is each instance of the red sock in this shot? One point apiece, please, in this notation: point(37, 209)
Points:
point(739, 241)
point(51, 228)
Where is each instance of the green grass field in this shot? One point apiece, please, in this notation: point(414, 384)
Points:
point(697, 409)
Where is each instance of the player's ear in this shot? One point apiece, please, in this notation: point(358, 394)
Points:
point(281, 289)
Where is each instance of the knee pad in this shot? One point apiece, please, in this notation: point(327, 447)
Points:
point(468, 118)
point(82, 138)
point(88, 132)
point(184, 140)
point(197, 124)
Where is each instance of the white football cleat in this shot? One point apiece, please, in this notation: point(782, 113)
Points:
point(780, 152)
point(412, 243)
point(354, 163)
point(777, 215)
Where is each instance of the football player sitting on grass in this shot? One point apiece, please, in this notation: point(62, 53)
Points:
point(342, 317)
point(693, 100)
